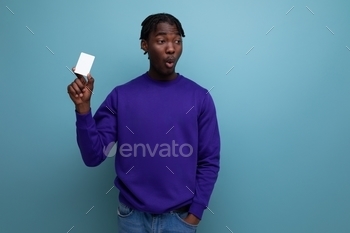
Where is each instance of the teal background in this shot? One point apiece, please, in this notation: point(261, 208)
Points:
point(283, 110)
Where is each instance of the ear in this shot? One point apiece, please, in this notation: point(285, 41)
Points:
point(144, 45)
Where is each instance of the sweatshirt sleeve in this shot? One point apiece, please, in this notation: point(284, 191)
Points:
point(96, 135)
point(208, 157)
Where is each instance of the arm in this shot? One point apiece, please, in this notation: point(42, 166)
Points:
point(93, 133)
point(208, 157)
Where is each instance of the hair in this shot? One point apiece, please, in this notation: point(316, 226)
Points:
point(151, 22)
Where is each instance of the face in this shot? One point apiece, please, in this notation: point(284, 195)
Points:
point(164, 48)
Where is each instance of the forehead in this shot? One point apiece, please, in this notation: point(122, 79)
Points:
point(164, 29)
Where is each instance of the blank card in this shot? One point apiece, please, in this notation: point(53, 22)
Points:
point(84, 64)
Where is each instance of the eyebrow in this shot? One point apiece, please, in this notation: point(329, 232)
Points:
point(164, 33)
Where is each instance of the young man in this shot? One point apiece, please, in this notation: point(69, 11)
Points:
point(167, 158)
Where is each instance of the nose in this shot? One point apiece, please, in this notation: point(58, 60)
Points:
point(170, 48)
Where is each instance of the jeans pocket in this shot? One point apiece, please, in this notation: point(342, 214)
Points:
point(124, 210)
point(181, 216)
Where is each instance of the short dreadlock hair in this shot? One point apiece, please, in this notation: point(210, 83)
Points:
point(151, 22)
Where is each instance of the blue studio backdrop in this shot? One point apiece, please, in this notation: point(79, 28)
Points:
point(279, 73)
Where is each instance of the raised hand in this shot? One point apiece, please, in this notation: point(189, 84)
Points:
point(80, 92)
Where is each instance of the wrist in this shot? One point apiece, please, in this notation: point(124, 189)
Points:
point(82, 108)
point(192, 219)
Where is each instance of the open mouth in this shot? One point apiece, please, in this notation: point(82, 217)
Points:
point(170, 62)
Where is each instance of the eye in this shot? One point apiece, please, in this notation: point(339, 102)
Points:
point(178, 41)
point(160, 41)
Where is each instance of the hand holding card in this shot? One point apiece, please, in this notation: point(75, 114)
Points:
point(80, 89)
point(84, 64)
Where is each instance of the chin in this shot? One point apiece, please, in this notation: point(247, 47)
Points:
point(166, 73)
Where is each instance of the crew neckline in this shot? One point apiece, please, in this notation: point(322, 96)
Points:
point(163, 83)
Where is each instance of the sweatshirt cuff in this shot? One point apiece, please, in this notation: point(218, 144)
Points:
point(197, 210)
point(84, 121)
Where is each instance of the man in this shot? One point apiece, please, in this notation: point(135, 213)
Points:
point(167, 158)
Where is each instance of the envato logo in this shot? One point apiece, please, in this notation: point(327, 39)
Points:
point(141, 149)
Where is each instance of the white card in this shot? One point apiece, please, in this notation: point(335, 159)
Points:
point(84, 64)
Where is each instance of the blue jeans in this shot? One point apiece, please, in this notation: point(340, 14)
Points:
point(134, 221)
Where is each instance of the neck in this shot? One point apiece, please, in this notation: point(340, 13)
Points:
point(159, 77)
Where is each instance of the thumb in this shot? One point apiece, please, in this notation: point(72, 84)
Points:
point(91, 80)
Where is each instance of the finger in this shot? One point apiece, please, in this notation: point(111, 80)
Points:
point(80, 84)
point(89, 76)
point(90, 79)
point(79, 76)
point(77, 91)
point(71, 91)
point(90, 82)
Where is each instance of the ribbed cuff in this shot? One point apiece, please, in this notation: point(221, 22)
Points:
point(197, 210)
point(84, 121)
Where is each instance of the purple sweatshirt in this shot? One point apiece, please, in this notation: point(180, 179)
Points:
point(168, 143)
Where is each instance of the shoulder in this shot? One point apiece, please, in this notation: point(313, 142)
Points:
point(189, 83)
point(129, 85)
point(133, 82)
point(202, 95)
point(201, 92)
